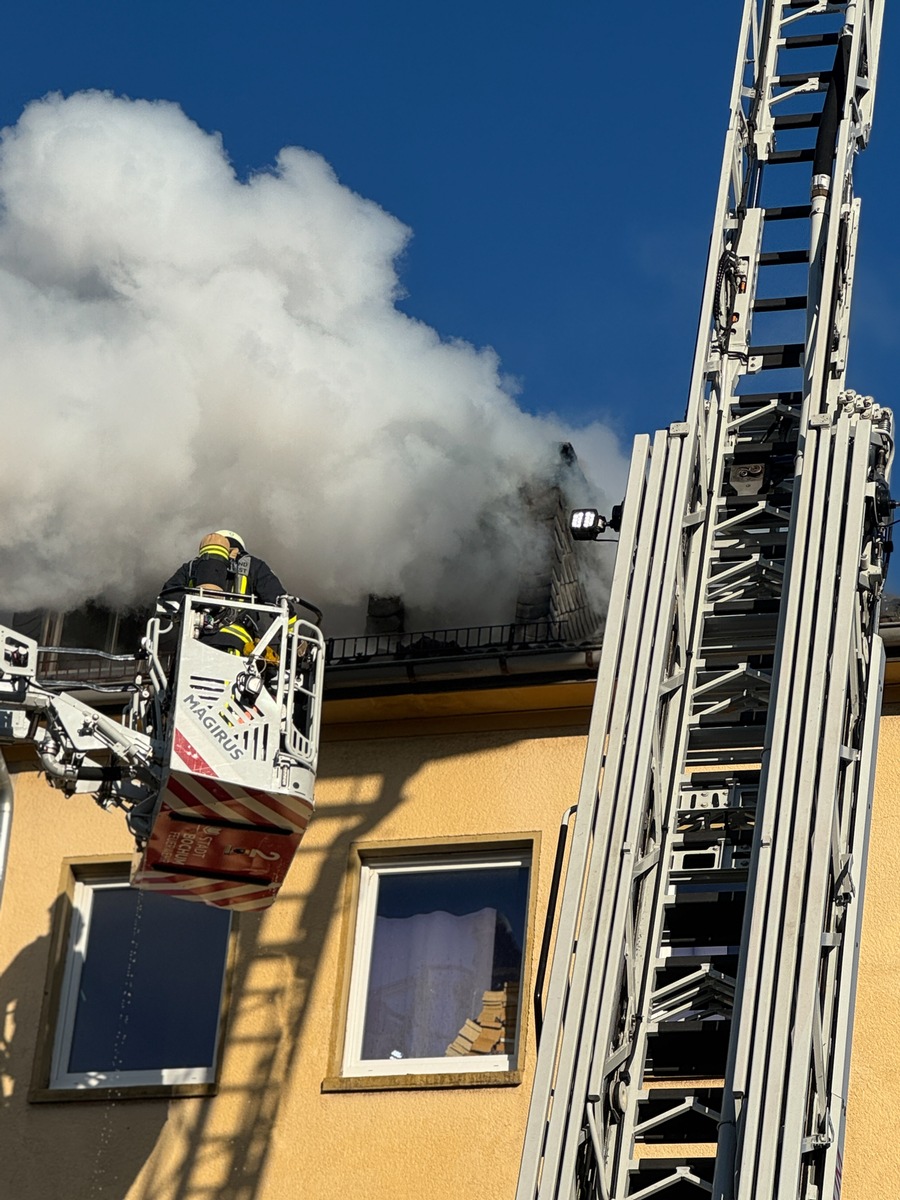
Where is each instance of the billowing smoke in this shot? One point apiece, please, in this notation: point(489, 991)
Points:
point(183, 351)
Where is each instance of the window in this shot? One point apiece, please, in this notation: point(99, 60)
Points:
point(437, 972)
point(32, 624)
point(96, 627)
point(138, 993)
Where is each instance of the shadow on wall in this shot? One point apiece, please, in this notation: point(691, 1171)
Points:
point(83, 1150)
point(277, 976)
point(225, 1145)
point(216, 1147)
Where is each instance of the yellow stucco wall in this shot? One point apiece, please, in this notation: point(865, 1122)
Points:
point(271, 1133)
point(872, 1147)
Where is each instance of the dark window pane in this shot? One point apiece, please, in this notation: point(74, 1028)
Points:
point(446, 963)
point(88, 628)
point(151, 983)
point(31, 624)
point(132, 627)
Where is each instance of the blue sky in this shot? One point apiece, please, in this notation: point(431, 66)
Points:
point(557, 163)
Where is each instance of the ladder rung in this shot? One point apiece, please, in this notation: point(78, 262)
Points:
point(806, 154)
point(751, 399)
point(805, 40)
point(773, 357)
point(788, 212)
point(730, 735)
point(781, 258)
point(798, 78)
point(798, 121)
point(779, 303)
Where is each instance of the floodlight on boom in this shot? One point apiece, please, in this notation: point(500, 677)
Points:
point(587, 525)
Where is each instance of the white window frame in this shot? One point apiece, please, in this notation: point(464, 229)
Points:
point(371, 870)
point(76, 950)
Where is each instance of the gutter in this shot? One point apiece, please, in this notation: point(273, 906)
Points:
point(393, 676)
point(889, 632)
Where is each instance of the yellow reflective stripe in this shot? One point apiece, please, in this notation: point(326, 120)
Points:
point(214, 551)
point(239, 632)
point(243, 585)
point(292, 621)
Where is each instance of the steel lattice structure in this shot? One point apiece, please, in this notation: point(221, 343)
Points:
point(701, 993)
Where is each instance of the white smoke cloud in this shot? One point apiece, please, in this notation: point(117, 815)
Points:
point(183, 351)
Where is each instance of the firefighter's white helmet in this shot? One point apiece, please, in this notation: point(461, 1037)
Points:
point(232, 537)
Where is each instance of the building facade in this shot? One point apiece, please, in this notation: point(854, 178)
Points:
point(158, 1050)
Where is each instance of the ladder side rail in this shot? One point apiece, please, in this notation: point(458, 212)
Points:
point(724, 375)
point(629, 571)
point(811, 791)
point(818, 751)
point(844, 296)
point(589, 860)
point(839, 910)
point(736, 150)
point(623, 797)
point(752, 1001)
point(845, 851)
point(820, 379)
point(852, 137)
point(825, 372)
point(799, 673)
point(618, 1074)
point(637, 880)
point(825, 229)
point(771, 18)
point(824, 756)
point(870, 15)
point(857, 718)
point(802, 659)
point(694, 569)
point(652, 916)
point(841, 1026)
point(831, 363)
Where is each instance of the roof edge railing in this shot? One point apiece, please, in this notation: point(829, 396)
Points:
point(76, 664)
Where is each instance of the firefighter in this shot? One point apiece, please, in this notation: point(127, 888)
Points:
point(223, 565)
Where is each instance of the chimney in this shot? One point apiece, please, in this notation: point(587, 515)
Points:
point(384, 615)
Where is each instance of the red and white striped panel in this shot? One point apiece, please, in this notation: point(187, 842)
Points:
point(218, 892)
point(199, 796)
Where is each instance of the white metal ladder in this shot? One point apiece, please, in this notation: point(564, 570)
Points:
point(699, 1006)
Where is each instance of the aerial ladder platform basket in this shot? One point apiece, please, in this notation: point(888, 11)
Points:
point(241, 737)
point(214, 763)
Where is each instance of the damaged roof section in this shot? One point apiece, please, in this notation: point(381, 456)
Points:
point(566, 587)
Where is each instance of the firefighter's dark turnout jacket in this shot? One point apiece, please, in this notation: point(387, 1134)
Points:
point(245, 576)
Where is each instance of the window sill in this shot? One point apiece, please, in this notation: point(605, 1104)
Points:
point(381, 1083)
point(163, 1091)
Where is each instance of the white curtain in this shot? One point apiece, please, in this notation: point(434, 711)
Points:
point(428, 974)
